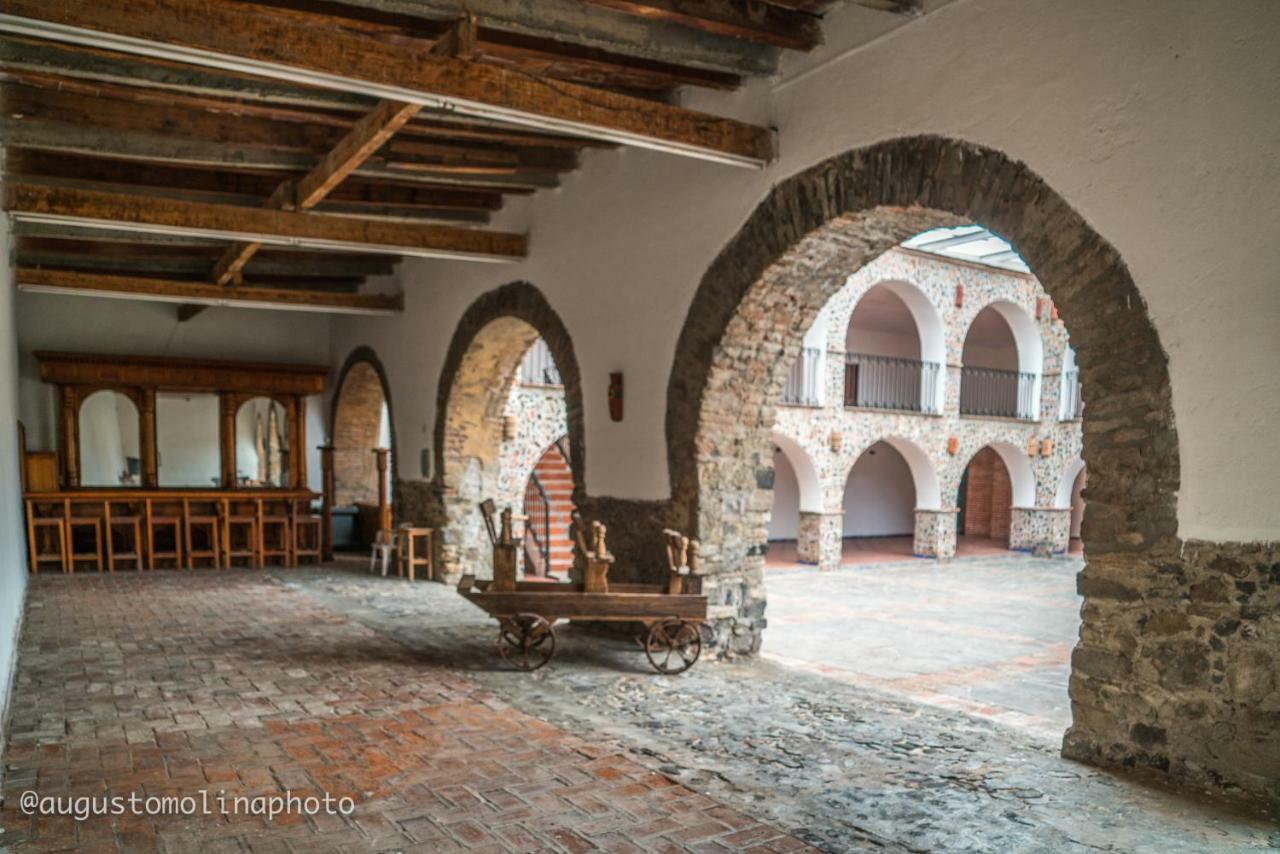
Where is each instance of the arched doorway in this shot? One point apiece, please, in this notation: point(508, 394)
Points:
point(996, 479)
point(360, 421)
point(796, 249)
point(475, 389)
point(879, 505)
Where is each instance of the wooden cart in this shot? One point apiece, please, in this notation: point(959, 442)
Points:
point(527, 611)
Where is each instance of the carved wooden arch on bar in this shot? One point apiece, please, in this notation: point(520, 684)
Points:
point(766, 287)
point(362, 358)
point(77, 375)
point(508, 319)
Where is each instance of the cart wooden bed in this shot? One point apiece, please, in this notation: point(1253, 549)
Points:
point(527, 611)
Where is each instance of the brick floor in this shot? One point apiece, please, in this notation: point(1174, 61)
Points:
point(189, 683)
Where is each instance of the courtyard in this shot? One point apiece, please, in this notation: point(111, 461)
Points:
point(333, 680)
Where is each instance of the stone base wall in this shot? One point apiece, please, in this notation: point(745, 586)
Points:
point(1178, 666)
point(820, 539)
point(935, 534)
point(1042, 531)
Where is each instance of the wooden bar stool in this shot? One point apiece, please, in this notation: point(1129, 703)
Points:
point(240, 534)
point(306, 533)
point(129, 526)
point(91, 525)
point(274, 524)
point(204, 524)
point(163, 523)
point(415, 550)
point(47, 536)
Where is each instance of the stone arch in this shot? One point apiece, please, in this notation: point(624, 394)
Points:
point(1029, 347)
point(930, 330)
point(355, 413)
point(924, 473)
point(491, 338)
point(1066, 483)
point(1022, 478)
point(795, 250)
point(810, 481)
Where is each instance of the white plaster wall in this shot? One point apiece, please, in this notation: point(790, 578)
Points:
point(878, 343)
point(879, 496)
point(1156, 119)
point(13, 556)
point(784, 519)
point(88, 324)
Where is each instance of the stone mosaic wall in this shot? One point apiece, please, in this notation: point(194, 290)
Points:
point(537, 413)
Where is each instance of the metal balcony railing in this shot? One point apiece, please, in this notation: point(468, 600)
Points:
point(538, 367)
point(889, 382)
point(537, 541)
point(1073, 402)
point(1002, 394)
point(804, 383)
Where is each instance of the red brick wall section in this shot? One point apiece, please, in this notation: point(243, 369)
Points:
point(557, 480)
point(988, 497)
point(355, 433)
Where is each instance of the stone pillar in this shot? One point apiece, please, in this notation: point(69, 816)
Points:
point(1043, 531)
point(935, 534)
point(820, 540)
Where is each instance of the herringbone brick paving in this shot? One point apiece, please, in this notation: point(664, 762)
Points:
point(181, 683)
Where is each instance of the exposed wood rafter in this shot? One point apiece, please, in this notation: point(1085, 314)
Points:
point(41, 280)
point(744, 19)
point(288, 45)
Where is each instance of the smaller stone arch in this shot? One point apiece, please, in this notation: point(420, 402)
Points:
point(492, 337)
point(361, 395)
point(807, 476)
point(924, 474)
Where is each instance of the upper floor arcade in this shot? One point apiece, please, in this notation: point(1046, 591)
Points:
point(927, 330)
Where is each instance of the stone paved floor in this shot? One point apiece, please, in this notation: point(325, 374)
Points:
point(177, 684)
point(844, 767)
point(988, 636)
point(256, 683)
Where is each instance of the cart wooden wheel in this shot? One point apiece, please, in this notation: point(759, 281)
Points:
point(673, 645)
point(526, 641)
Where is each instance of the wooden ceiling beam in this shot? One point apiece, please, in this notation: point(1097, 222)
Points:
point(195, 293)
point(147, 259)
point(156, 148)
point(559, 21)
point(313, 50)
point(355, 191)
point(33, 203)
point(366, 137)
point(739, 19)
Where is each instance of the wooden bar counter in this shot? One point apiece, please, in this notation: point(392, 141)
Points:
point(126, 522)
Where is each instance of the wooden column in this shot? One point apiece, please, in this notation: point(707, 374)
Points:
point(227, 437)
point(69, 426)
point(326, 502)
point(298, 441)
point(147, 439)
point(384, 506)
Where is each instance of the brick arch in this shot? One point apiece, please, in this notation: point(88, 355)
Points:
point(491, 338)
point(767, 285)
point(354, 417)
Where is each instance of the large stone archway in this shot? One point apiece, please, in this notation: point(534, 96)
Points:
point(1143, 690)
point(355, 417)
point(475, 382)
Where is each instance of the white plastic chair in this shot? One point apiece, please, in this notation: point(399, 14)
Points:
point(384, 549)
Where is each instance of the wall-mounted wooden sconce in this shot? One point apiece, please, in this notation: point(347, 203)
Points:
point(953, 445)
point(1033, 447)
point(959, 296)
point(615, 396)
point(837, 441)
point(1046, 447)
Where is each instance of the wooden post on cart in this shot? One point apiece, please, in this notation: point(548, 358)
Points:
point(505, 556)
point(326, 502)
point(597, 557)
point(682, 560)
point(384, 506)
